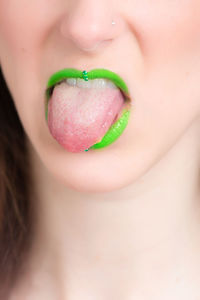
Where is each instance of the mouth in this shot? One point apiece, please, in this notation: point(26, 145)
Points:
point(108, 77)
point(62, 75)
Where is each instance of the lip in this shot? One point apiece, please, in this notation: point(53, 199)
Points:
point(93, 74)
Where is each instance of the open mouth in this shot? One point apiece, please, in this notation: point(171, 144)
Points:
point(98, 83)
point(98, 79)
point(66, 74)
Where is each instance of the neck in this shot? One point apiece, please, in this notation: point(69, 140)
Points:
point(145, 228)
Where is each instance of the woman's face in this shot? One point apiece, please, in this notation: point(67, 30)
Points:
point(154, 47)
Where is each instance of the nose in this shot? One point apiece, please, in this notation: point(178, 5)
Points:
point(88, 24)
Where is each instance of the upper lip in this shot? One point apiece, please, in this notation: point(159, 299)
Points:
point(95, 73)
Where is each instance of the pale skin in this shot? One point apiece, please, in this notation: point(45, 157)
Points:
point(122, 223)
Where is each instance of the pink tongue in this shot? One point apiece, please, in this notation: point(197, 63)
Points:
point(79, 117)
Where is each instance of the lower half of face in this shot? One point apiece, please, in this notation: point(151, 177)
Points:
point(155, 49)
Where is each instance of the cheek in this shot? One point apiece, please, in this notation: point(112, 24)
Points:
point(24, 26)
point(19, 38)
point(167, 100)
point(16, 27)
point(168, 29)
point(169, 36)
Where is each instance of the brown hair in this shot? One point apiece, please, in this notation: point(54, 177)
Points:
point(15, 182)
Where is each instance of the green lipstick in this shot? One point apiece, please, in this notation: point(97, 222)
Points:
point(119, 126)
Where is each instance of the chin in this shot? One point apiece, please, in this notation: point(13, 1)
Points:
point(101, 171)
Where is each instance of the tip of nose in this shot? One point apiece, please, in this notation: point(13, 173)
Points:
point(85, 35)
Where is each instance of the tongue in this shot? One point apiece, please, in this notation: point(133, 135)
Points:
point(79, 117)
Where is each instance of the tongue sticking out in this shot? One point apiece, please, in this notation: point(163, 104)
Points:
point(80, 117)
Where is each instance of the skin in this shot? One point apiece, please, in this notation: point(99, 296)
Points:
point(123, 222)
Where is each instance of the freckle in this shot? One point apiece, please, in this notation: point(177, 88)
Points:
point(97, 258)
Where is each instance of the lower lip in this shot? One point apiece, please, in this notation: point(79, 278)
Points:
point(115, 131)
